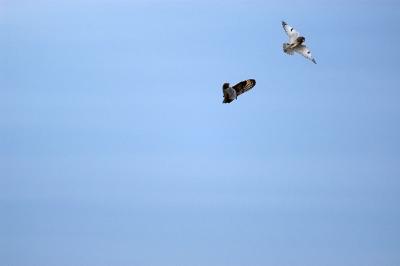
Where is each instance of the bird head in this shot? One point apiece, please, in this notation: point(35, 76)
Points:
point(301, 39)
point(225, 86)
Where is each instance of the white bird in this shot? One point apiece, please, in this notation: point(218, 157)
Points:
point(296, 43)
point(231, 93)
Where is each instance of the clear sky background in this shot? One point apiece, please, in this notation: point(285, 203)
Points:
point(116, 149)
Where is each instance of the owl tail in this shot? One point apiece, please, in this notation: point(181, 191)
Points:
point(285, 46)
point(286, 49)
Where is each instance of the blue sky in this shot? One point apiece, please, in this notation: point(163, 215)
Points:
point(116, 149)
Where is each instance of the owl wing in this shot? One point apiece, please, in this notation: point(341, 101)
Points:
point(290, 31)
point(304, 51)
point(244, 86)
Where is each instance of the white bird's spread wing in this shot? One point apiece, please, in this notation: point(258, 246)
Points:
point(290, 31)
point(304, 51)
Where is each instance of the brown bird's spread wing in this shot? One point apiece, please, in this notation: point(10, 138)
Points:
point(244, 86)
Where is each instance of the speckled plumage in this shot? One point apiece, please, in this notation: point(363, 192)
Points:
point(296, 43)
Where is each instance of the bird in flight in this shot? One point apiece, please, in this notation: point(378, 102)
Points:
point(296, 43)
point(231, 93)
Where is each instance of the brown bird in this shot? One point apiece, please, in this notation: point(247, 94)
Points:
point(231, 93)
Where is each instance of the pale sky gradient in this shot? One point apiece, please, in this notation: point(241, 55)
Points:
point(116, 149)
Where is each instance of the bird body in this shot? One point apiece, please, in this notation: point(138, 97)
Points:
point(229, 94)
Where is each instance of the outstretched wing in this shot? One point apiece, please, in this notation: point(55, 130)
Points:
point(304, 51)
point(290, 31)
point(244, 86)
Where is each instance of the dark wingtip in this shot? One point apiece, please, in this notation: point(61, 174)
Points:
point(284, 23)
point(315, 62)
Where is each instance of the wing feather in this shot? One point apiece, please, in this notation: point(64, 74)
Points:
point(291, 32)
point(304, 51)
point(244, 86)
